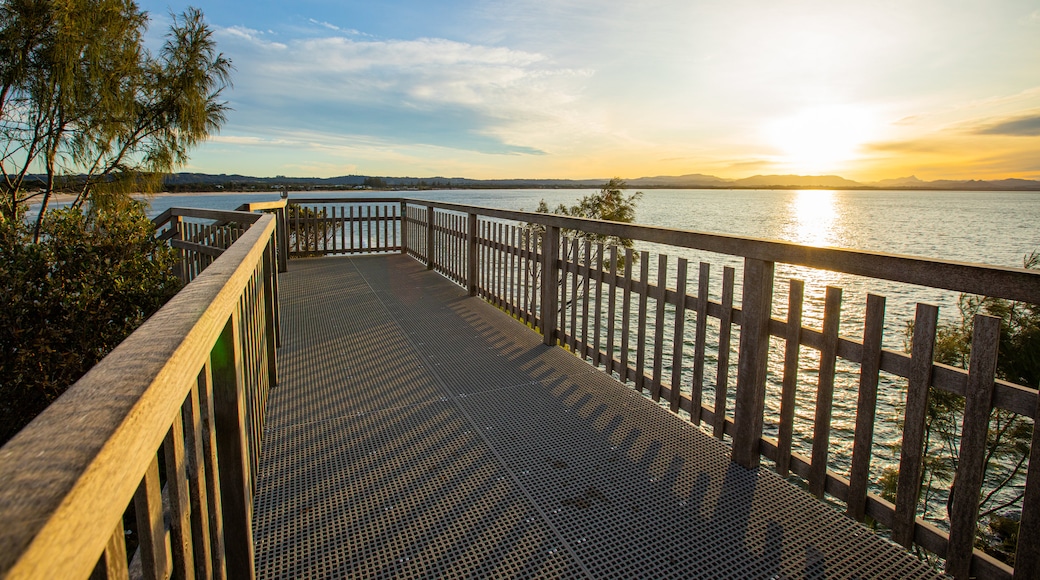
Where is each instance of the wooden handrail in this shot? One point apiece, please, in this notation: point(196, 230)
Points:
point(67, 478)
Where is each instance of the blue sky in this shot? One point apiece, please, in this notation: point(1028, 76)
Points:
point(590, 89)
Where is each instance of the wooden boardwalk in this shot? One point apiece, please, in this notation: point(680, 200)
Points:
point(419, 432)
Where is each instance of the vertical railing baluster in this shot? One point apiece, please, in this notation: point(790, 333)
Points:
point(344, 229)
point(825, 392)
point(112, 564)
point(597, 323)
point(911, 454)
point(281, 231)
point(312, 231)
point(575, 281)
point(586, 350)
point(324, 228)
point(178, 494)
point(233, 450)
point(387, 241)
point(971, 464)
point(678, 334)
point(150, 526)
point(644, 281)
point(355, 233)
point(866, 407)
point(514, 274)
point(626, 314)
point(212, 467)
point(562, 311)
point(722, 368)
point(550, 283)
point(1027, 550)
point(789, 388)
point(196, 474)
point(298, 209)
point(612, 289)
point(485, 260)
point(404, 227)
point(527, 309)
point(471, 254)
point(500, 265)
point(699, 344)
point(429, 237)
point(752, 361)
point(660, 303)
point(373, 222)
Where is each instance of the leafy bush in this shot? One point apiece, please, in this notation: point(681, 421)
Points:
point(70, 298)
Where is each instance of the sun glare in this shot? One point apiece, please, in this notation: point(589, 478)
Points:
point(820, 139)
point(811, 216)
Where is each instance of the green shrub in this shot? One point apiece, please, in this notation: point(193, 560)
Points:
point(69, 299)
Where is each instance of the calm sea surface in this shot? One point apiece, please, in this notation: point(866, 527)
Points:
point(988, 227)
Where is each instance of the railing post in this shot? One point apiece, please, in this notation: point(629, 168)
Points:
point(282, 234)
point(978, 403)
point(911, 452)
point(1027, 552)
point(178, 234)
point(404, 228)
point(550, 283)
point(471, 254)
point(233, 451)
point(273, 331)
point(756, 306)
point(429, 237)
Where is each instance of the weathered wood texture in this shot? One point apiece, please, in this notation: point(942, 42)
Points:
point(964, 509)
point(68, 477)
point(866, 408)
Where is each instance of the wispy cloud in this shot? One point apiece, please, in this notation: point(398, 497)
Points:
point(926, 145)
point(324, 24)
point(251, 36)
point(1021, 126)
point(330, 26)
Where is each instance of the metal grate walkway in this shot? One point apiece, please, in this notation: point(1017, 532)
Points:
point(419, 432)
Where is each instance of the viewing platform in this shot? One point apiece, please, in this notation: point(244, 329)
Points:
point(436, 390)
point(420, 432)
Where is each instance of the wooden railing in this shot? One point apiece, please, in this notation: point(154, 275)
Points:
point(168, 426)
point(318, 228)
point(588, 298)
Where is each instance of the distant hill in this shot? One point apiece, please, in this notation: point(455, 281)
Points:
point(796, 181)
point(692, 180)
point(975, 184)
point(202, 181)
point(899, 182)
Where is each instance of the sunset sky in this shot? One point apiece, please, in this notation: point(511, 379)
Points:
point(596, 88)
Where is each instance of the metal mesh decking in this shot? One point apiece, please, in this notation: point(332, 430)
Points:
point(418, 432)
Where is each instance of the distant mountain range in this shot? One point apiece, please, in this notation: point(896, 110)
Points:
point(197, 181)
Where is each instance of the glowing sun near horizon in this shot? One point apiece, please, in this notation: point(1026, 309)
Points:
point(821, 139)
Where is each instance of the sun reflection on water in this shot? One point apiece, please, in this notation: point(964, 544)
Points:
point(811, 215)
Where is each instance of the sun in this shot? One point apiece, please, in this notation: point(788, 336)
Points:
point(822, 138)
